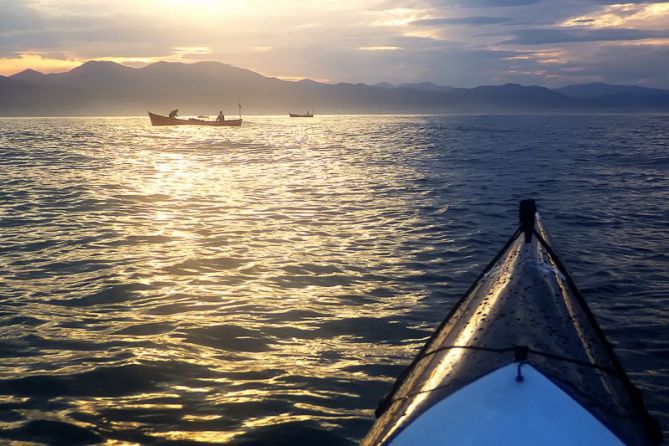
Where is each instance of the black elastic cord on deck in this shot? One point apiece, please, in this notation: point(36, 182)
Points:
point(555, 379)
point(562, 382)
point(527, 217)
point(385, 403)
point(527, 351)
point(651, 423)
point(521, 355)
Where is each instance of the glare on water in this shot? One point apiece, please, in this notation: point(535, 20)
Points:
point(229, 284)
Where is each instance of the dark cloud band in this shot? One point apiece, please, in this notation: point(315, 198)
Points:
point(471, 21)
point(545, 36)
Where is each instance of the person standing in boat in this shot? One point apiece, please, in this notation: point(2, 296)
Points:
point(220, 116)
point(174, 113)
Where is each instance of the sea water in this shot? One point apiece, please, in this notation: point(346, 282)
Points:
point(266, 284)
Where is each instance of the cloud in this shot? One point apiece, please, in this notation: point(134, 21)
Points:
point(472, 20)
point(648, 16)
point(379, 48)
point(525, 41)
point(645, 64)
point(628, 2)
point(512, 3)
point(542, 36)
point(482, 3)
point(16, 16)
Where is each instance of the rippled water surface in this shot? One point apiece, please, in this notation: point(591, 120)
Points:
point(265, 285)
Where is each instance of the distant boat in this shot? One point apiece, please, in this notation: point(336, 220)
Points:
point(159, 120)
point(203, 116)
point(302, 115)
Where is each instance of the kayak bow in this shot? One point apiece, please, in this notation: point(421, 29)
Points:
point(520, 360)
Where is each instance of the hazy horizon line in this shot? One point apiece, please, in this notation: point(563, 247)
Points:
point(321, 81)
point(285, 115)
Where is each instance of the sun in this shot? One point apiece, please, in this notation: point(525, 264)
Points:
point(201, 10)
point(199, 4)
point(191, 2)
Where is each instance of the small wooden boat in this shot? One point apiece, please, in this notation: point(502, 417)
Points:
point(519, 361)
point(159, 120)
point(302, 115)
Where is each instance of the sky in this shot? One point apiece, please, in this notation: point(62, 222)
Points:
point(463, 43)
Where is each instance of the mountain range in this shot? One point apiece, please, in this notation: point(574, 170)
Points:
point(99, 88)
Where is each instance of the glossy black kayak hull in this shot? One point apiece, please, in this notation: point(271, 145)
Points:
point(524, 309)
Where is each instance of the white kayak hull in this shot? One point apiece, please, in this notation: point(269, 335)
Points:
point(523, 311)
point(496, 409)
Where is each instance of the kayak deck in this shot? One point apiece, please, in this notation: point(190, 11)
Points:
point(540, 411)
point(524, 309)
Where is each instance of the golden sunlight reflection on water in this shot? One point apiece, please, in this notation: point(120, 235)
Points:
point(210, 270)
point(241, 284)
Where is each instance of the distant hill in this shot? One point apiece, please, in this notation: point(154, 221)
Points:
point(31, 76)
point(517, 96)
point(601, 90)
point(426, 86)
point(19, 98)
point(106, 88)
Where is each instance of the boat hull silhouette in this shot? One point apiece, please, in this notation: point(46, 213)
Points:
point(159, 120)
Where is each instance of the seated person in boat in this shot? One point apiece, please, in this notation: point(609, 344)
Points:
point(220, 116)
point(174, 113)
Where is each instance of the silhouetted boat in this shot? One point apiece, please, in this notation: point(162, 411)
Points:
point(302, 115)
point(159, 120)
point(520, 360)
